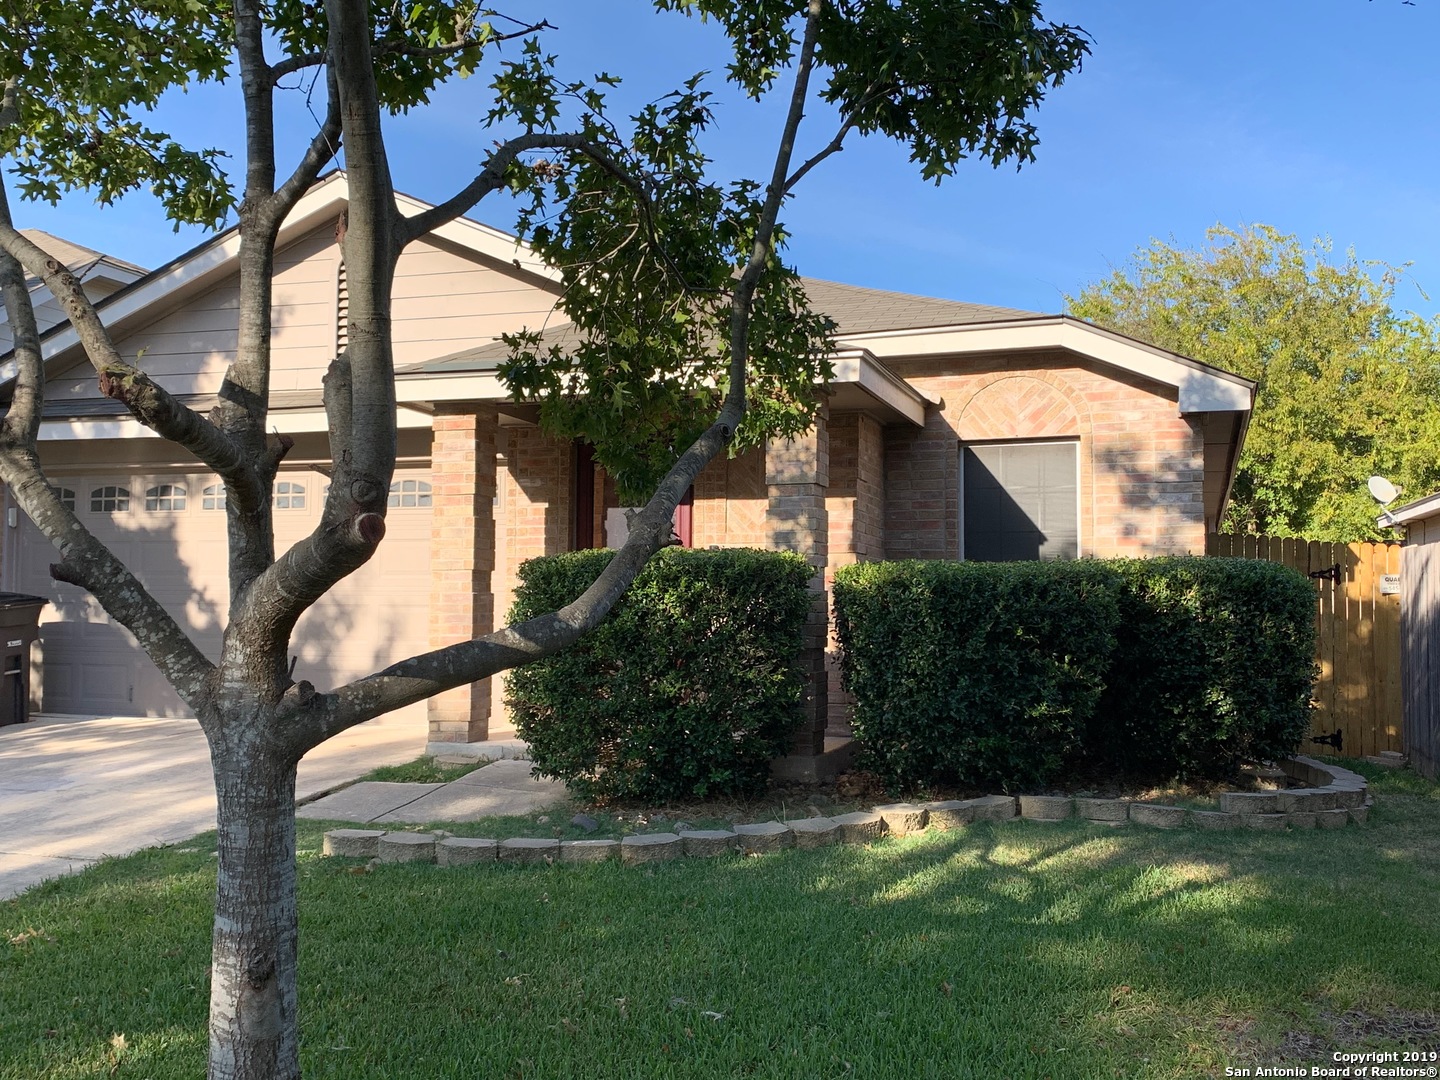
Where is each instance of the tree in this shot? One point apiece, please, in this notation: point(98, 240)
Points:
point(674, 280)
point(1348, 387)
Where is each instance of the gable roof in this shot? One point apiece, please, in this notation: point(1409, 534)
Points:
point(207, 263)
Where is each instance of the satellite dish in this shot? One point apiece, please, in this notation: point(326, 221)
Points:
point(1383, 490)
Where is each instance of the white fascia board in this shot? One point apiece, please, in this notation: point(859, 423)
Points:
point(1200, 388)
point(482, 239)
point(1414, 511)
point(466, 386)
point(295, 422)
point(861, 368)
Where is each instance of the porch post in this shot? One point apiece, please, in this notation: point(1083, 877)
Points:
point(462, 558)
point(797, 475)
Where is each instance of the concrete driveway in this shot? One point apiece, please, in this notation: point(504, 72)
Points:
point(75, 789)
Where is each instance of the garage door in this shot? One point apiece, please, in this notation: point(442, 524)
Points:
point(170, 529)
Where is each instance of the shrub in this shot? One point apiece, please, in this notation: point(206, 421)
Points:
point(688, 689)
point(1214, 664)
point(974, 673)
point(1014, 673)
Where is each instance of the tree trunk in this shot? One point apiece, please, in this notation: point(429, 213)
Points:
point(253, 1025)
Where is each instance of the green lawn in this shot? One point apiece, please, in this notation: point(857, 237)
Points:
point(1010, 950)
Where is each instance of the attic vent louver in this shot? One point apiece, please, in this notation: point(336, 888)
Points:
point(342, 310)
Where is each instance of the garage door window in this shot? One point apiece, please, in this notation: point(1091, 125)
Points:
point(67, 498)
point(1020, 501)
point(289, 495)
point(213, 497)
point(166, 498)
point(109, 500)
point(409, 493)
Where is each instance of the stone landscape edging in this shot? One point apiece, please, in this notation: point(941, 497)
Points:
point(1334, 798)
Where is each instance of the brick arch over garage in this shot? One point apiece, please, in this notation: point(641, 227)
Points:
point(1034, 405)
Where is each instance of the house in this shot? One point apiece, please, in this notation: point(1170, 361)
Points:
point(1420, 629)
point(951, 430)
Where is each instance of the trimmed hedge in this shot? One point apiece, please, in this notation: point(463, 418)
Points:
point(1017, 673)
point(687, 690)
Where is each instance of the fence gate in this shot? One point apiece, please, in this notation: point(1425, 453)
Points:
point(1357, 634)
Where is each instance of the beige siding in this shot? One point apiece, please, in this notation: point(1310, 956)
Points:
point(445, 302)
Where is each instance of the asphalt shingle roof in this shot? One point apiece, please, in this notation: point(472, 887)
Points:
point(854, 309)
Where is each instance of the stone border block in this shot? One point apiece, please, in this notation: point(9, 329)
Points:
point(1332, 819)
point(1249, 802)
point(1359, 814)
point(353, 843)
point(1215, 819)
point(1270, 822)
point(861, 827)
point(993, 807)
point(1112, 810)
point(1046, 807)
point(814, 832)
point(950, 814)
point(651, 847)
point(706, 843)
point(1161, 817)
point(763, 837)
point(403, 847)
point(1300, 819)
point(465, 851)
point(528, 849)
point(1304, 799)
point(902, 818)
point(588, 851)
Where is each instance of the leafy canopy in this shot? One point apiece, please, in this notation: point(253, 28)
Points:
point(1348, 387)
point(647, 244)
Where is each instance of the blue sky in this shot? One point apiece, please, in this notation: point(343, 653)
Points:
point(1319, 117)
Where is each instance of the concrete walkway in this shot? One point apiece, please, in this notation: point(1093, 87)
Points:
point(75, 789)
point(501, 788)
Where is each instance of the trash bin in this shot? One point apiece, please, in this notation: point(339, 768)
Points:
point(19, 627)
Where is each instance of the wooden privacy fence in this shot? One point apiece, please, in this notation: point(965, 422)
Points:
point(1358, 634)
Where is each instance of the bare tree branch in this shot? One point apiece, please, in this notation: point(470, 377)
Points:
point(393, 47)
point(492, 178)
point(22, 422)
point(322, 149)
point(151, 404)
point(834, 146)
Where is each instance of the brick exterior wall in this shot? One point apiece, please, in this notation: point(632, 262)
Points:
point(462, 558)
point(797, 475)
point(1141, 463)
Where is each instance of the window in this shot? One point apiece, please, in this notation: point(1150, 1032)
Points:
point(213, 497)
point(109, 500)
point(165, 497)
point(289, 495)
point(1020, 501)
point(67, 498)
point(409, 493)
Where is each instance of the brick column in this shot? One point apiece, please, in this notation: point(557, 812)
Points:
point(797, 475)
point(462, 558)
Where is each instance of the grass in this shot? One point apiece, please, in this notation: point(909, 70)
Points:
point(423, 770)
point(1016, 949)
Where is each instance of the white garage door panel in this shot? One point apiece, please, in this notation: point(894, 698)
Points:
point(90, 665)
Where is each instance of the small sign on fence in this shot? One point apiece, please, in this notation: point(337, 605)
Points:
point(1389, 584)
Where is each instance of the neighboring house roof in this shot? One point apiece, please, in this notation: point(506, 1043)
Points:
point(99, 274)
point(1412, 511)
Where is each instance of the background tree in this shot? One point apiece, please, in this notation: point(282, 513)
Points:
point(686, 314)
point(1348, 387)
